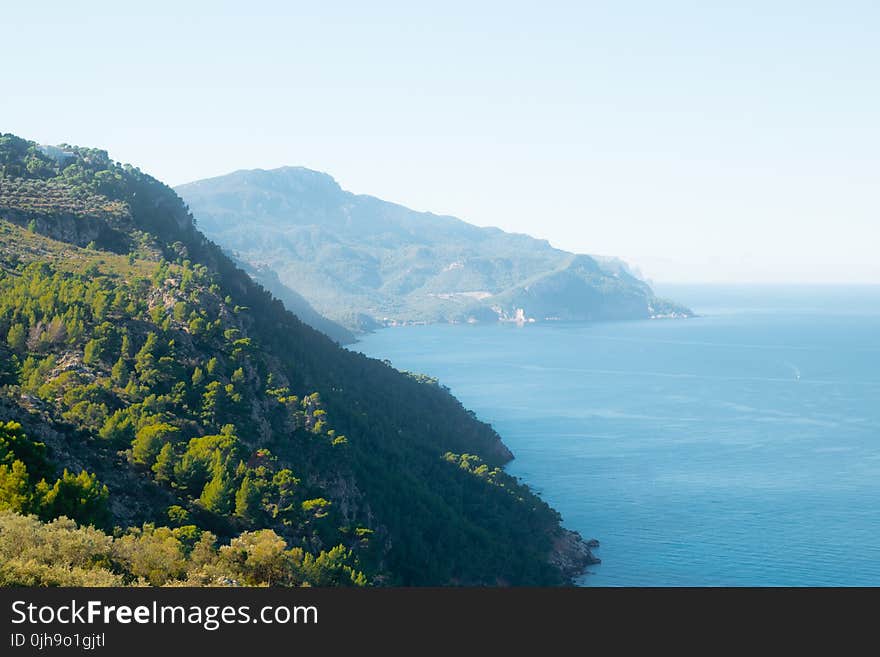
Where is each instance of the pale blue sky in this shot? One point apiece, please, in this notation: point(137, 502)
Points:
point(731, 142)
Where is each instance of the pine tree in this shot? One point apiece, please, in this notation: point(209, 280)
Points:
point(247, 500)
point(217, 495)
point(145, 361)
point(119, 374)
point(81, 497)
point(15, 489)
point(163, 468)
point(93, 352)
point(118, 428)
point(16, 338)
point(150, 440)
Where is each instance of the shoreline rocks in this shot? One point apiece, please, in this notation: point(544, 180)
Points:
point(572, 554)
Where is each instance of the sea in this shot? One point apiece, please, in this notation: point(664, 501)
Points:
point(737, 448)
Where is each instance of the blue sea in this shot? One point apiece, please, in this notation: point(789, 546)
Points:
point(738, 448)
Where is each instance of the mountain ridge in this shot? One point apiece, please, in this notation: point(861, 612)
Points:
point(356, 256)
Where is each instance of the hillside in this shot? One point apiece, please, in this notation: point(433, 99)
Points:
point(360, 260)
point(296, 303)
point(148, 384)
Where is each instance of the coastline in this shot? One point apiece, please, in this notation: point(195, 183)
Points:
point(572, 554)
point(360, 334)
point(596, 414)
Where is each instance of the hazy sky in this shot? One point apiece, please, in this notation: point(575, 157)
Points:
point(732, 142)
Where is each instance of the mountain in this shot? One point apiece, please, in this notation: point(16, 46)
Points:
point(296, 303)
point(360, 260)
point(164, 419)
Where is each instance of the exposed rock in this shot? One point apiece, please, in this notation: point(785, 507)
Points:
point(572, 554)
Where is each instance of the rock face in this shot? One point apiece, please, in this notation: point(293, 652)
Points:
point(351, 255)
point(73, 229)
point(66, 213)
point(572, 554)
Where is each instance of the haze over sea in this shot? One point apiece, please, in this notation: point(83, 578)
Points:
point(738, 448)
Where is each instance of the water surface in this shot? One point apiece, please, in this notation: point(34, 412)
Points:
point(738, 448)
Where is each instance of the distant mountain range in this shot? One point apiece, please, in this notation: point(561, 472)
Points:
point(364, 262)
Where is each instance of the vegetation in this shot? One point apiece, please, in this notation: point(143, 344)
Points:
point(56, 196)
point(23, 489)
point(168, 416)
point(62, 553)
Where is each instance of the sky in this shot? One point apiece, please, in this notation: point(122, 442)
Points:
point(700, 141)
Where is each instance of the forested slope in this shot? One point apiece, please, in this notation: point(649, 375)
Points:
point(149, 385)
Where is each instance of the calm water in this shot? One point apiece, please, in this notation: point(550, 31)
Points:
point(738, 448)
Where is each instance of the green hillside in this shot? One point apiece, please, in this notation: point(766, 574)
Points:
point(150, 390)
point(361, 261)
